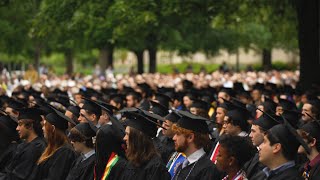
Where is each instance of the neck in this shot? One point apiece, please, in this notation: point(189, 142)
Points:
point(276, 162)
point(31, 137)
point(190, 150)
point(86, 150)
point(232, 172)
point(313, 154)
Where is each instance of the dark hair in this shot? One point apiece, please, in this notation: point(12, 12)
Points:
point(287, 152)
point(76, 136)
point(95, 113)
point(135, 96)
point(309, 138)
point(35, 125)
point(141, 148)
point(241, 148)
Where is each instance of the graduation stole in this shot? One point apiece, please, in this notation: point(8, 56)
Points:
point(113, 159)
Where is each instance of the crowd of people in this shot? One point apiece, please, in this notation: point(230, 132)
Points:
point(220, 126)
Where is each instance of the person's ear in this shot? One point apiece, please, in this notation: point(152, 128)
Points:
point(53, 128)
point(231, 160)
point(276, 148)
point(313, 142)
point(190, 137)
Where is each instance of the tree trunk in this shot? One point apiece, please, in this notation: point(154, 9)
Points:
point(103, 58)
point(139, 55)
point(68, 56)
point(266, 59)
point(309, 39)
point(152, 59)
point(110, 56)
point(37, 54)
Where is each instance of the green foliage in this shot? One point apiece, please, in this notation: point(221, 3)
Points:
point(168, 68)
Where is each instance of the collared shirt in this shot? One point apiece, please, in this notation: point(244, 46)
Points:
point(314, 161)
point(243, 134)
point(278, 169)
point(195, 156)
point(88, 154)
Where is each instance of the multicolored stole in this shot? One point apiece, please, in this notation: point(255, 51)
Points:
point(113, 159)
point(215, 153)
point(174, 162)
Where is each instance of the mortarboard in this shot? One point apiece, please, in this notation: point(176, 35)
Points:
point(141, 123)
point(162, 99)
point(266, 122)
point(193, 122)
point(91, 106)
point(200, 104)
point(75, 110)
point(313, 128)
point(30, 113)
point(59, 120)
point(86, 130)
point(173, 117)
point(293, 117)
point(269, 105)
point(287, 105)
point(9, 122)
point(16, 105)
point(158, 109)
point(149, 115)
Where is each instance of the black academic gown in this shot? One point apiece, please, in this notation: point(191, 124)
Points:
point(57, 166)
point(82, 170)
point(118, 170)
point(24, 160)
point(168, 148)
point(152, 170)
point(253, 168)
point(7, 155)
point(288, 174)
point(201, 169)
point(314, 173)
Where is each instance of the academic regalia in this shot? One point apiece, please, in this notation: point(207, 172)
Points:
point(82, 170)
point(174, 162)
point(154, 169)
point(288, 174)
point(168, 148)
point(253, 168)
point(24, 159)
point(57, 166)
point(201, 169)
point(7, 155)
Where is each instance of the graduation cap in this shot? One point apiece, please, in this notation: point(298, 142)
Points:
point(228, 91)
point(173, 117)
point(9, 122)
point(107, 107)
point(269, 105)
point(75, 110)
point(291, 131)
point(142, 112)
point(287, 105)
point(30, 113)
point(59, 120)
point(86, 130)
point(187, 84)
point(162, 99)
point(315, 103)
point(238, 87)
point(200, 104)
point(159, 109)
point(91, 106)
point(313, 128)
point(141, 123)
point(266, 122)
point(293, 117)
point(193, 122)
point(16, 105)
point(146, 88)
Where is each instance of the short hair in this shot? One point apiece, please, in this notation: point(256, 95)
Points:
point(135, 95)
point(241, 148)
point(35, 125)
point(201, 140)
point(76, 136)
point(309, 138)
point(287, 152)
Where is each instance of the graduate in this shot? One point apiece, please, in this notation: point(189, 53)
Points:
point(233, 153)
point(191, 136)
point(9, 139)
point(278, 152)
point(111, 161)
point(81, 140)
point(253, 167)
point(144, 160)
point(310, 132)
point(57, 159)
point(29, 151)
